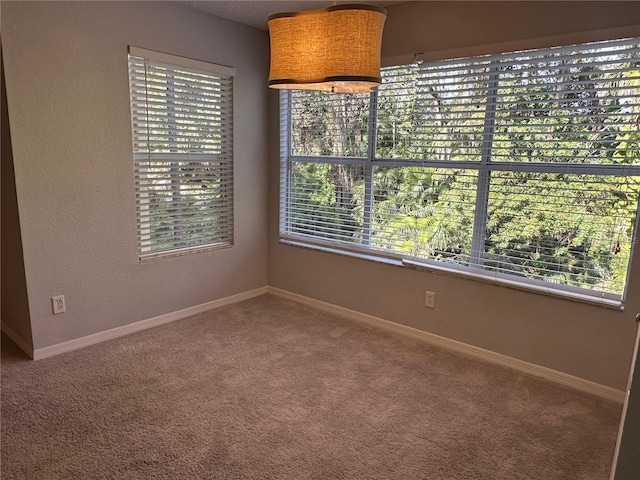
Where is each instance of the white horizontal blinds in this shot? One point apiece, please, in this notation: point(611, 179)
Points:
point(329, 125)
point(183, 156)
point(523, 165)
point(452, 102)
point(570, 104)
point(424, 212)
point(573, 105)
point(574, 230)
point(326, 201)
point(328, 145)
point(398, 113)
point(524, 122)
point(427, 212)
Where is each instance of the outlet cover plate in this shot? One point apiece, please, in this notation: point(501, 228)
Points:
point(57, 304)
point(430, 299)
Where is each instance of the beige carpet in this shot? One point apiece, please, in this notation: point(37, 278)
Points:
point(268, 389)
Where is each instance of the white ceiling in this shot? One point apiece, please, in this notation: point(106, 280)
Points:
point(255, 13)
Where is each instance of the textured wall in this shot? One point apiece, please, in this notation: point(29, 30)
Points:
point(15, 304)
point(68, 97)
point(482, 27)
point(590, 342)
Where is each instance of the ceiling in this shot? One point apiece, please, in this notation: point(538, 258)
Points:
point(255, 13)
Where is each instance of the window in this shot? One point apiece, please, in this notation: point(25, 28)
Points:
point(520, 167)
point(182, 119)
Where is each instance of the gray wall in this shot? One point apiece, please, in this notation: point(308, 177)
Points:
point(15, 304)
point(590, 342)
point(68, 99)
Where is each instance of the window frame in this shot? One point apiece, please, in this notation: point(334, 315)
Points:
point(484, 167)
point(174, 159)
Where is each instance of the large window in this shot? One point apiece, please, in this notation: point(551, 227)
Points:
point(521, 167)
point(181, 113)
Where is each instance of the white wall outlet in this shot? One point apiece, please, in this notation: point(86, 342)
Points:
point(430, 299)
point(58, 304)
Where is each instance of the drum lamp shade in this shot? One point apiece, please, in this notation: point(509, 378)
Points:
point(333, 49)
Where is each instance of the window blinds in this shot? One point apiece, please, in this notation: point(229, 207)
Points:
point(182, 123)
point(566, 105)
point(523, 165)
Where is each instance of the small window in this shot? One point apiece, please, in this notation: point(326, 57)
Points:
point(182, 123)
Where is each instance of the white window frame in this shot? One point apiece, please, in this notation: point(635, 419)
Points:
point(483, 167)
point(209, 238)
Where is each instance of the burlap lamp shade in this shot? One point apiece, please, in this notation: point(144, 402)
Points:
point(334, 49)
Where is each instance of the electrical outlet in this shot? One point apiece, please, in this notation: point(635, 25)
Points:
point(430, 299)
point(57, 304)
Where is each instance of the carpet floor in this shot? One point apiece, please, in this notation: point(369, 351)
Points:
point(269, 389)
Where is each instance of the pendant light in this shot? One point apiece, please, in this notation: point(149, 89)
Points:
point(334, 49)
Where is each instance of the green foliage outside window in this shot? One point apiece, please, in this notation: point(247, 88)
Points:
point(561, 227)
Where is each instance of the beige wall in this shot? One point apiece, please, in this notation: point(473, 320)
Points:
point(479, 27)
point(15, 304)
point(68, 103)
point(68, 98)
point(590, 342)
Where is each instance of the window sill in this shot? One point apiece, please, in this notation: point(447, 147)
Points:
point(488, 277)
point(178, 252)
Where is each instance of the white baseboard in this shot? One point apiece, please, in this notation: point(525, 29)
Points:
point(76, 343)
point(17, 339)
point(477, 352)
